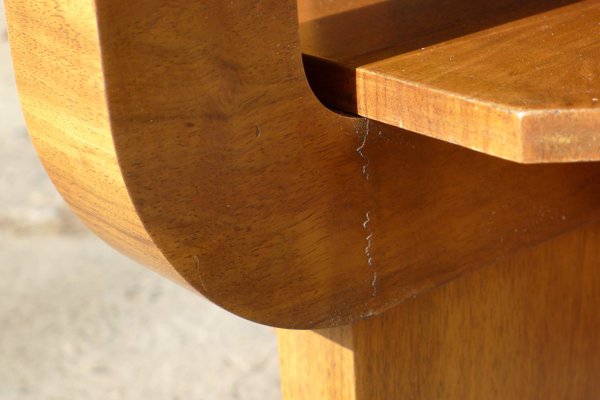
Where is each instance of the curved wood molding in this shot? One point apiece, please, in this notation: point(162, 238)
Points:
point(185, 134)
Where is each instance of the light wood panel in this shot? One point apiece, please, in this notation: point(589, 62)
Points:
point(317, 365)
point(526, 328)
point(517, 80)
point(56, 55)
point(186, 134)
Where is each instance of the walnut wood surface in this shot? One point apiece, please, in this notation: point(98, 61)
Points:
point(526, 329)
point(56, 55)
point(514, 79)
point(185, 134)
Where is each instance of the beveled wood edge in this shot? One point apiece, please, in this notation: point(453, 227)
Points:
point(374, 85)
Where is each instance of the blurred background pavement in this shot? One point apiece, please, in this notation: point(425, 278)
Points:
point(80, 321)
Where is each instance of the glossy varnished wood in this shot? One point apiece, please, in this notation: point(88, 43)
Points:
point(185, 133)
point(522, 329)
point(517, 80)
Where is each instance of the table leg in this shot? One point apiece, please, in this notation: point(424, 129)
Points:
point(524, 328)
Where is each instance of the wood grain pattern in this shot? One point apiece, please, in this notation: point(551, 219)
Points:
point(57, 61)
point(185, 133)
point(523, 329)
point(317, 365)
point(503, 77)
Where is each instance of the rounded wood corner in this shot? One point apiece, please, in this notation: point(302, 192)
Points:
point(186, 135)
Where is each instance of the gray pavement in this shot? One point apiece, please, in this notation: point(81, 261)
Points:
point(80, 321)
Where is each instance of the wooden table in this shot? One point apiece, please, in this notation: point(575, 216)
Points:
point(457, 261)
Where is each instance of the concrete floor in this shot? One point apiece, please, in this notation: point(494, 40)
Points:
point(79, 321)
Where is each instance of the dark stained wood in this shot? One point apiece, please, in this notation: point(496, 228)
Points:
point(517, 80)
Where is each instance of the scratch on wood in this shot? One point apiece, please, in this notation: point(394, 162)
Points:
point(367, 222)
point(361, 151)
point(197, 263)
point(369, 238)
point(374, 285)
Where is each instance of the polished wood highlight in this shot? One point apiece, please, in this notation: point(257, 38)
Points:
point(185, 133)
point(526, 328)
point(513, 79)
